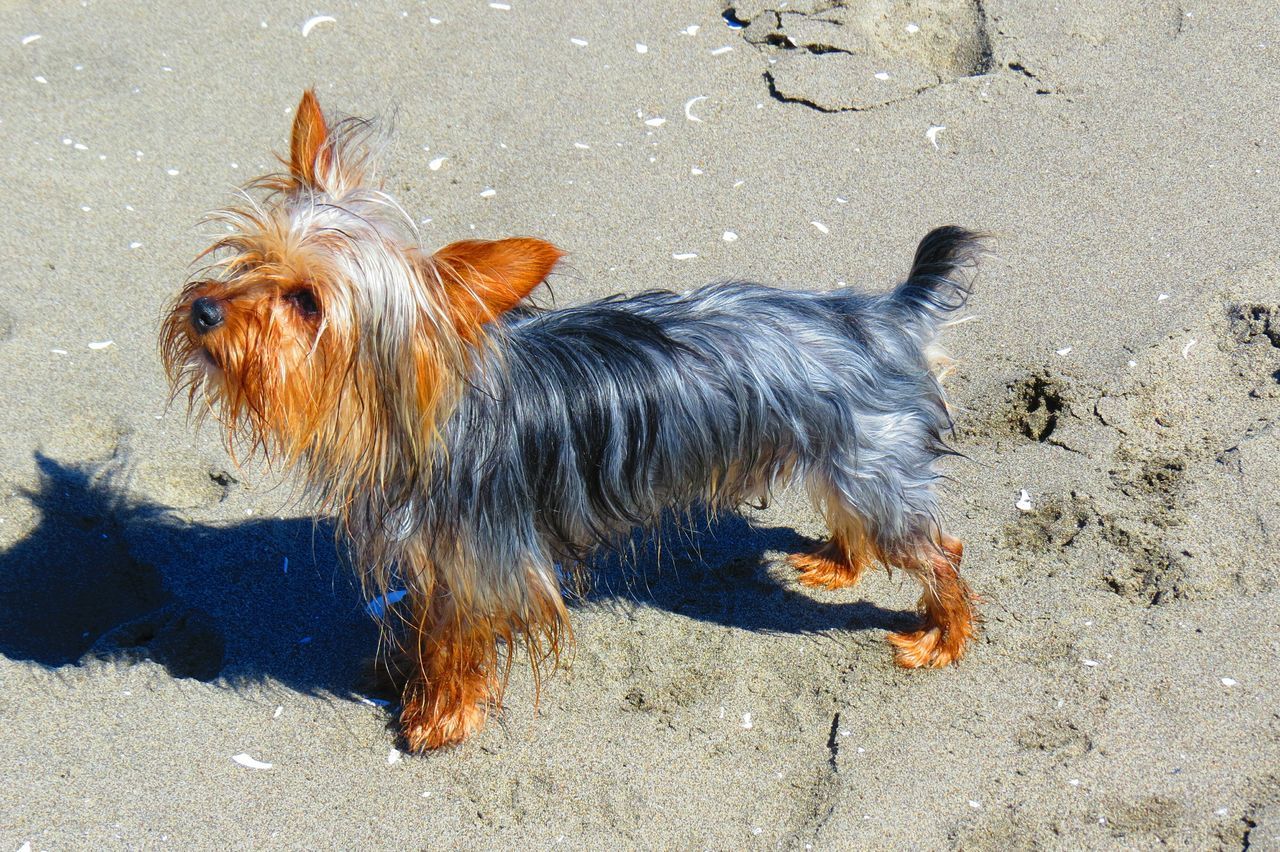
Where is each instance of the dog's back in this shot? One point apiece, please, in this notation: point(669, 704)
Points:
point(588, 421)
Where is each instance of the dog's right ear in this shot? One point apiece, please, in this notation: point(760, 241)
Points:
point(309, 154)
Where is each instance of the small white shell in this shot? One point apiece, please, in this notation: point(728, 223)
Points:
point(822, 229)
point(656, 122)
point(687, 255)
point(688, 104)
point(312, 23)
point(250, 763)
point(99, 345)
point(642, 48)
point(435, 164)
point(932, 133)
point(1024, 501)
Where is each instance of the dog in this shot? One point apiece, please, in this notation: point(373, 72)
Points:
point(475, 450)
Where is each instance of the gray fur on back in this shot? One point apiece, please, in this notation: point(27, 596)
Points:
point(579, 424)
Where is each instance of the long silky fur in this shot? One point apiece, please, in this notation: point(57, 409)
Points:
point(577, 425)
point(465, 464)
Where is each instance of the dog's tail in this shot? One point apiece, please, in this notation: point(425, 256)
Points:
point(941, 279)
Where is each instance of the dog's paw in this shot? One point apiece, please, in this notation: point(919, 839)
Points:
point(931, 646)
point(426, 729)
point(824, 568)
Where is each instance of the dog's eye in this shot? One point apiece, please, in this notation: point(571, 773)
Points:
point(305, 301)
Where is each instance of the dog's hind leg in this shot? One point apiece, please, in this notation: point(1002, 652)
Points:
point(947, 623)
point(884, 510)
point(841, 560)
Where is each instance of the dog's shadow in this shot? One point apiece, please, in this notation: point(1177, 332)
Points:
point(718, 569)
point(106, 576)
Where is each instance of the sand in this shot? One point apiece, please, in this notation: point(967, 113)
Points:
point(1123, 369)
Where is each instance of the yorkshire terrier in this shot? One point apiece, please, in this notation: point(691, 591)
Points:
point(470, 445)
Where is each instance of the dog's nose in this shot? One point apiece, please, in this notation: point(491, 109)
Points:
point(206, 314)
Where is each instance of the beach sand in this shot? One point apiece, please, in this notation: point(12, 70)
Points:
point(163, 610)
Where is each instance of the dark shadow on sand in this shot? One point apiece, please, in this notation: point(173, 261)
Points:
point(718, 570)
point(106, 576)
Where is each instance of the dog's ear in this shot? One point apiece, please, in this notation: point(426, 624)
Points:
point(308, 153)
point(484, 278)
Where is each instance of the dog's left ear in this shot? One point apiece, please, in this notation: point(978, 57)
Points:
point(485, 278)
point(308, 154)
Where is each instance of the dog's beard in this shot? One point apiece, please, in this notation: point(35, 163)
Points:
point(204, 365)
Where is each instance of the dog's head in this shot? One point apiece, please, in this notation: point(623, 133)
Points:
point(320, 330)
